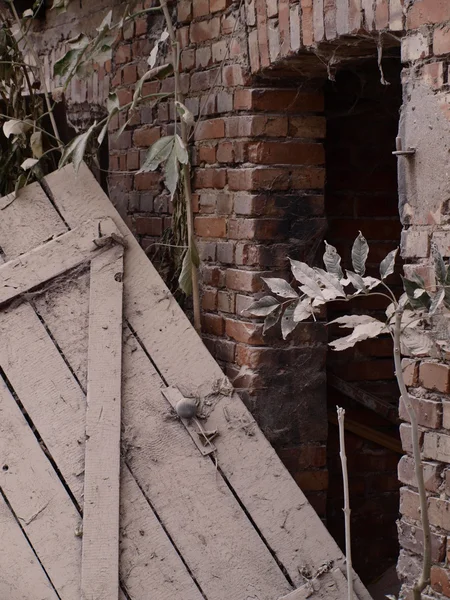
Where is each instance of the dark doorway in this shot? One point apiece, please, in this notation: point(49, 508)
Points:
point(361, 195)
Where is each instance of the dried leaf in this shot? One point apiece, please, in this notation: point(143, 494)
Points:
point(331, 283)
point(356, 280)
point(288, 324)
point(36, 144)
point(158, 153)
point(106, 23)
point(184, 113)
point(16, 127)
point(415, 342)
point(112, 103)
point(371, 282)
point(154, 73)
point(439, 265)
point(262, 307)
point(75, 150)
point(271, 319)
point(181, 150)
point(332, 261)
point(410, 286)
point(364, 327)
point(60, 6)
point(154, 53)
point(280, 287)
point(29, 163)
point(387, 265)
point(58, 94)
point(303, 310)
point(172, 172)
point(436, 301)
point(309, 279)
point(28, 14)
point(360, 251)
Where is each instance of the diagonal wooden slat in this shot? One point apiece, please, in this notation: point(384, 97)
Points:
point(277, 506)
point(49, 260)
point(39, 500)
point(21, 574)
point(100, 558)
point(57, 406)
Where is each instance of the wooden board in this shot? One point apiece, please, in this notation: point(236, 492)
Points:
point(100, 557)
point(280, 511)
point(331, 585)
point(49, 260)
point(21, 574)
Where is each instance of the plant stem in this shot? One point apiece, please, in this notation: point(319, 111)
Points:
point(33, 52)
point(347, 511)
point(186, 167)
point(424, 578)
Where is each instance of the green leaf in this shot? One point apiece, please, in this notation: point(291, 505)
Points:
point(331, 283)
point(262, 307)
point(280, 287)
point(364, 327)
point(332, 261)
point(181, 151)
point(154, 73)
point(172, 172)
point(439, 265)
point(356, 280)
point(29, 163)
point(112, 103)
point(184, 113)
point(436, 301)
point(60, 6)
point(288, 324)
point(387, 265)
point(189, 260)
point(306, 276)
point(102, 134)
point(75, 150)
point(360, 251)
point(158, 153)
point(154, 53)
point(28, 14)
point(36, 144)
point(303, 310)
point(410, 286)
point(272, 319)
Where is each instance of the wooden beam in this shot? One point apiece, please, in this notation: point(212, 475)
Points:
point(387, 441)
point(54, 258)
point(100, 557)
point(378, 405)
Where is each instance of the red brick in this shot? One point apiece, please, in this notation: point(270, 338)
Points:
point(214, 276)
point(200, 8)
point(440, 580)
point(123, 54)
point(225, 350)
point(410, 370)
point(233, 75)
point(183, 36)
point(431, 473)
point(147, 181)
point(184, 11)
point(146, 136)
point(141, 26)
point(129, 74)
point(428, 412)
point(253, 50)
point(312, 480)
point(433, 74)
point(415, 47)
point(218, 5)
point(441, 41)
point(210, 178)
point(258, 178)
point(124, 96)
point(244, 281)
point(132, 160)
point(435, 376)
point(205, 30)
point(427, 11)
point(210, 227)
point(209, 300)
point(307, 127)
point(256, 229)
point(411, 538)
point(225, 153)
point(297, 153)
point(188, 59)
point(247, 333)
point(207, 154)
point(212, 324)
point(149, 226)
point(204, 80)
point(256, 125)
point(228, 24)
point(405, 435)
point(226, 302)
point(279, 100)
point(210, 129)
point(307, 22)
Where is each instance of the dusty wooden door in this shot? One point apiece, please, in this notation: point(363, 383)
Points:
point(228, 525)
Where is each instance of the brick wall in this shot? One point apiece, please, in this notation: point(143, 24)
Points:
point(259, 190)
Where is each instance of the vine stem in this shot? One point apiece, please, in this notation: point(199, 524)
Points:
point(186, 168)
point(347, 511)
point(33, 52)
point(424, 578)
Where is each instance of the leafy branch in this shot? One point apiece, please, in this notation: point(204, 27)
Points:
point(408, 321)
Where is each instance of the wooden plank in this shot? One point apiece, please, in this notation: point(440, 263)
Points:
point(100, 557)
point(28, 221)
point(331, 585)
point(49, 260)
point(276, 504)
point(21, 574)
point(39, 500)
point(222, 549)
point(378, 405)
point(368, 433)
point(56, 406)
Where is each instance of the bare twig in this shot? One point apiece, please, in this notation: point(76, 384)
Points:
point(347, 511)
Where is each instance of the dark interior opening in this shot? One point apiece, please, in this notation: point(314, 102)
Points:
point(361, 195)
